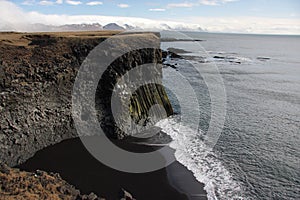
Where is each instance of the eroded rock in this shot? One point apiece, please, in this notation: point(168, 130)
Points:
point(37, 84)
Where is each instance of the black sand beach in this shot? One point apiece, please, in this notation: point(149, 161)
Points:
point(74, 163)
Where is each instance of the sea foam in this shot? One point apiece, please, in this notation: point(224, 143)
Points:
point(192, 152)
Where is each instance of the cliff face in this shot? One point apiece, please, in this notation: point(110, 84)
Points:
point(37, 73)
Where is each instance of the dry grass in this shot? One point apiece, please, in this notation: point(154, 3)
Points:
point(23, 185)
point(21, 39)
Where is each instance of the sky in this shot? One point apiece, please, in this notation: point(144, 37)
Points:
point(240, 16)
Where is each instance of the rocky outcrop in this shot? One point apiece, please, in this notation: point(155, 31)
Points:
point(37, 74)
point(124, 195)
point(16, 184)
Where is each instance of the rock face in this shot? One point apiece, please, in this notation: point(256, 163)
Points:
point(144, 102)
point(37, 73)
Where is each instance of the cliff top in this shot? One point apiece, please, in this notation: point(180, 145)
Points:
point(24, 39)
point(27, 39)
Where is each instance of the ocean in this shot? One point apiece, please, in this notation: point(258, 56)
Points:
point(257, 154)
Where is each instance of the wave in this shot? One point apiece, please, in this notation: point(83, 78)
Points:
point(191, 151)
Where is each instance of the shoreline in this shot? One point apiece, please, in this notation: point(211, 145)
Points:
point(48, 114)
point(73, 162)
point(183, 180)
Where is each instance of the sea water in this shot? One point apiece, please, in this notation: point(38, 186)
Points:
point(257, 155)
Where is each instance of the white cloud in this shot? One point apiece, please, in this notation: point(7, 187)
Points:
point(215, 2)
point(74, 3)
point(12, 21)
point(20, 20)
point(198, 3)
point(209, 2)
point(157, 9)
point(123, 5)
point(260, 25)
point(49, 3)
point(46, 3)
point(228, 1)
point(28, 2)
point(94, 3)
point(180, 5)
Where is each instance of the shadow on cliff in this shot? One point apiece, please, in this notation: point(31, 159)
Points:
point(77, 166)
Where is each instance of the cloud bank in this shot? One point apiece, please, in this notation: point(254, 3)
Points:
point(19, 20)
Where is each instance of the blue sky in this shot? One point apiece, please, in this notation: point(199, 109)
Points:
point(167, 9)
point(248, 16)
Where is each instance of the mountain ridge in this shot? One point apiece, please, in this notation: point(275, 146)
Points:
point(39, 27)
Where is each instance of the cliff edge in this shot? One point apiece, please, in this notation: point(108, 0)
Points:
point(37, 73)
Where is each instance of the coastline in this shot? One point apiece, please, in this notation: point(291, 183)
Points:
point(73, 162)
point(184, 181)
point(49, 115)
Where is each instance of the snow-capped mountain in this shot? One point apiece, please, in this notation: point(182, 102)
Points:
point(38, 27)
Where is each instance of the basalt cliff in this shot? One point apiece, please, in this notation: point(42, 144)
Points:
point(37, 75)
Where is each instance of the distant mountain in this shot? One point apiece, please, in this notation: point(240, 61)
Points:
point(93, 27)
point(113, 26)
point(198, 29)
point(129, 27)
point(81, 27)
point(165, 27)
point(51, 28)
